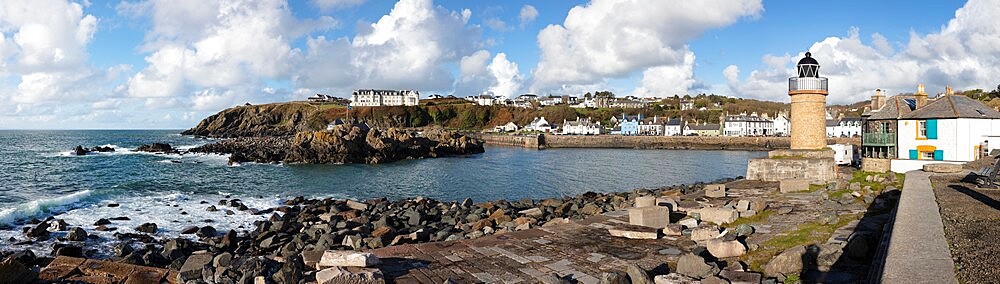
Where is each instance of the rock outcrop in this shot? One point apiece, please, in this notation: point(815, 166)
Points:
point(347, 144)
point(259, 120)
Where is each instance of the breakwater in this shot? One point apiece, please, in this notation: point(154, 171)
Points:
point(652, 142)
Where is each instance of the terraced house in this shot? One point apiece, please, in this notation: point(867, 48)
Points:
point(950, 129)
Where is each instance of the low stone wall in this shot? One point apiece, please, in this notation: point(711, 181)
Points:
point(525, 141)
point(767, 169)
point(678, 142)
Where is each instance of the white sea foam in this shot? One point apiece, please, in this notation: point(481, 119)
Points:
point(42, 206)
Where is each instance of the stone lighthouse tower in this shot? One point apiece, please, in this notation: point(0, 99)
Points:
point(808, 160)
point(808, 92)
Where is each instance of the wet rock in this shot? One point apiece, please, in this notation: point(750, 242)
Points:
point(40, 231)
point(149, 228)
point(694, 266)
point(189, 230)
point(192, 269)
point(104, 228)
point(76, 234)
point(156, 148)
point(102, 221)
point(12, 271)
point(58, 225)
point(121, 218)
point(80, 151)
point(122, 249)
point(211, 208)
point(67, 250)
point(206, 231)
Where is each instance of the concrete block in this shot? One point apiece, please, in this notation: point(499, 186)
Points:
point(688, 222)
point(645, 201)
point(639, 234)
point(348, 258)
point(705, 233)
point(793, 185)
point(673, 230)
point(943, 168)
point(743, 205)
point(667, 202)
point(337, 275)
point(715, 190)
point(718, 215)
point(654, 217)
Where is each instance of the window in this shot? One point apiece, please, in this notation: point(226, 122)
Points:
point(922, 129)
point(926, 155)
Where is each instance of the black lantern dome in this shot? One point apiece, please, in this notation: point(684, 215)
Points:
point(808, 67)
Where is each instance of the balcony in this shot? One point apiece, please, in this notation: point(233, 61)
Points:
point(878, 139)
point(805, 84)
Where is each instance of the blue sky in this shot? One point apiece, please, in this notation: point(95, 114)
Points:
point(167, 64)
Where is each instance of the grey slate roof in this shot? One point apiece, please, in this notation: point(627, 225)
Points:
point(953, 106)
point(704, 126)
point(895, 107)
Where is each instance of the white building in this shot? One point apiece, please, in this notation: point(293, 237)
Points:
point(509, 127)
point(674, 127)
point(845, 127)
point(385, 98)
point(581, 127)
point(951, 128)
point(686, 105)
point(651, 126)
point(484, 100)
point(585, 104)
point(782, 126)
point(747, 125)
point(538, 124)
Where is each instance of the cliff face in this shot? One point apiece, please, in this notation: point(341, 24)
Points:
point(260, 120)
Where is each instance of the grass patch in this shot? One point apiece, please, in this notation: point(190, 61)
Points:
point(805, 234)
point(840, 193)
point(862, 176)
point(793, 279)
point(760, 217)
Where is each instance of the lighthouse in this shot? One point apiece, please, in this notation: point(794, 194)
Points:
point(808, 161)
point(808, 93)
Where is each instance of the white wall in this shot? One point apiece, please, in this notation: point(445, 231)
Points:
point(903, 166)
point(958, 138)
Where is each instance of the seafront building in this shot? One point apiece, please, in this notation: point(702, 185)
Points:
point(674, 127)
point(747, 125)
point(629, 125)
point(907, 131)
point(782, 126)
point(385, 98)
point(843, 127)
point(539, 124)
point(651, 126)
point(581, 126)
point(704, 129)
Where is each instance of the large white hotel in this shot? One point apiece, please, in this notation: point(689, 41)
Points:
point(385, 98)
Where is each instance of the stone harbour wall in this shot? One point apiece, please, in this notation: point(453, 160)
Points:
point(528, 141)
point(678, 142)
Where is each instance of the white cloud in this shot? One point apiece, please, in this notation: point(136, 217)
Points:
point(496, 24)
point(508, 78)
point(667, 80)
point(336, 4)
point(963, 54)
point(596, 42)
point(528, 14)
point(215, 52)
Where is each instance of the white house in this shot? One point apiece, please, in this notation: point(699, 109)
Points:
point(951, 128)
point(652, 126)
point(385, 98)
point(509, 127)
point(844, 127)
point(782, 127)
point(539, 124)
point(674, 127)
point(686, 105)
point(747, 125)
point(581, 127)
point(484, 100)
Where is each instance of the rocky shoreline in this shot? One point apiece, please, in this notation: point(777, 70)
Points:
point(345, 144)
point(275, 248)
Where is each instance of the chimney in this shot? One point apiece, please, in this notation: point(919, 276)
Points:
point(920, 97)
point(878, 100)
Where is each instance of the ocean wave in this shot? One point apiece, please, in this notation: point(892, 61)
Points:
point(42, 206)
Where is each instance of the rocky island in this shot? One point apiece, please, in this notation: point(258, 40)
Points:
point(284, 134)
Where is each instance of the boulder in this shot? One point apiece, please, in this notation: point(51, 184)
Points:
point(694, 266)
point(614, 277)
point(341, 275)
point(357, 205)
point(206, 231)
point(637, 275)
point(645, 201)
point(12, 271)
point(149, 228)
point(653, 217)
point(673, 230)
point(715, 190)
point(189, 230)
point(348, 259)
point(705, 233)
point(156, 148)
point(943, 168)
point(743, 205)
point(76, 234)
point(718, 215)
point(787, 262)
point(193, 266)
point(688, 222)
point(741, 277)
point(39, 231)
point(714, 280)
point(725, 249)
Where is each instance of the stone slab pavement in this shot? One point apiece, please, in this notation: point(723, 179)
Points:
point(580, 250)
point(918, 251)
point(79, 270)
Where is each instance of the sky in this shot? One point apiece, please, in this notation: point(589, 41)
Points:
point(156, 64)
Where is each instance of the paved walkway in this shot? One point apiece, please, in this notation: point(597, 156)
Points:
point(918, 251)
point(580, 250)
